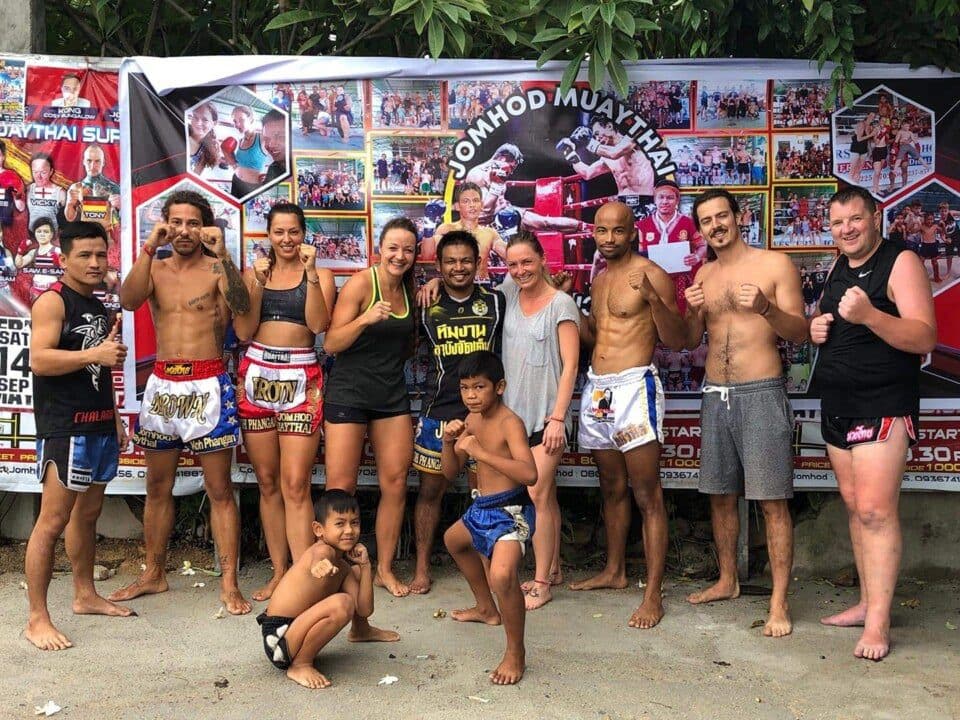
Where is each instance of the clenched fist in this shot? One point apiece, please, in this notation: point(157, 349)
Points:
point(855, 306)
point(261, 270)
point(820, 328)
point(324, 569)
point(378, 312)
point(753, 300)
point(694, 296)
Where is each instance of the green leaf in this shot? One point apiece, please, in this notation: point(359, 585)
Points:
point(400, 5)
point(309, 44)
point(608, 11)
point(420, 18)
point(626, 22)
point(551, 52)
point(510, 34)
point(458, 36)
point(293, 17)
point(595, 71)
point(808, 5)
point(549, 34)
point(570, 74)
point(604, 44)
point(644, 24)
point(349, 16)
point(618, 75)
point(589, 13)
point(435, 37)
point(831, 44)
point(826, 11)
point(629, 51)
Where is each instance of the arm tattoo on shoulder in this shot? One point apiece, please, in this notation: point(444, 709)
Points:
point(236, 294)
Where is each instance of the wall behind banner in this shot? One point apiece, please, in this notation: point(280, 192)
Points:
point(354, 153)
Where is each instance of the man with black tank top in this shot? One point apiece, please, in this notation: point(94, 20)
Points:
point(465, 318)
point(79, 433)
point(876, 322)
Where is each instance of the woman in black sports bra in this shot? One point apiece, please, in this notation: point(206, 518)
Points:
point(279, 383)
point(372, 334)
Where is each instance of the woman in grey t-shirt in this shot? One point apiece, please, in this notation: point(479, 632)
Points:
point(541, 351)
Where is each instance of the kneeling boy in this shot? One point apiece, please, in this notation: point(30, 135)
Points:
point(488, 542)
point(330, 584)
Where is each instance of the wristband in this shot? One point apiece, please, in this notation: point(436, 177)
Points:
point(593, 145)
point(555, 418)
point(151, 251)
point(314, 282)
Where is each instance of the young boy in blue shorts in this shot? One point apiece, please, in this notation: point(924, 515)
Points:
point(488, 542)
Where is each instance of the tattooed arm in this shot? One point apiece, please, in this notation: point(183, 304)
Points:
point(230, 281)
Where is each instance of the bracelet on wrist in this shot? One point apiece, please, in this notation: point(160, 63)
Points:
point(151, 251)
point(314, 282)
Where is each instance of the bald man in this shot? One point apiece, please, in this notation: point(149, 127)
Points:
point(633, 305)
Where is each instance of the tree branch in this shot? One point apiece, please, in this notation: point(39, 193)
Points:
point(151, 28)
point(362, 36)
point(88, 30)
point(191, 18)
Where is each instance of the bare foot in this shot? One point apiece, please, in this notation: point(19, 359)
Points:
point(778, 622)
point(372, 634)
point(421, 583)
point(45, 636)
point(307, 676)
point(141, 586)
point(475, 614)
point(97, 605)
point(720, 591)
point(873, 645)
point(648, 614)
point(538, 596)
point(235, 602)
point(606, 579)
point(391, 584)
point(266, 592)
point(509, 671)
point(851, 617)
point(556, 578)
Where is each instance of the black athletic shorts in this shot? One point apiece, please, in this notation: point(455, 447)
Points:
point(335, 414)
point(844, 432)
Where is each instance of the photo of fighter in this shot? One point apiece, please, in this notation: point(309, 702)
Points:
point(727, 105)
point(705, 161)
point(802, 157)
point(13, 87)
point(883, 142)
point(800, 104)
point(398, 103)
point(801, 216)
point(926, 221)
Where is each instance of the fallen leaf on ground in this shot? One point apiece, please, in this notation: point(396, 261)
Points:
point(440, 613)
point(199, 584)
point(187, 568)
point(721, 663)
point(220, 614)
point(51, 708)
point(756, 624)
point(951, 626)
point(912, 603)
point(598, 615)
point(388, 680)
point(478, 699)
point(221, 683)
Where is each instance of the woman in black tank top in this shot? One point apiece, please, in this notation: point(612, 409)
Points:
point(372, 334)
point(279, 383)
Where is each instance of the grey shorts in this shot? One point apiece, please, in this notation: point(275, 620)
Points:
point(746, 440)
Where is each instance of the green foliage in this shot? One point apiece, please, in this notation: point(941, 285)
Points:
point(598, 36)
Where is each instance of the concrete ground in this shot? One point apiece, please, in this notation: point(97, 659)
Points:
point(177, 661)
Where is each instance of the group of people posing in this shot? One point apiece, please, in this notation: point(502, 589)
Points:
point(497, 403)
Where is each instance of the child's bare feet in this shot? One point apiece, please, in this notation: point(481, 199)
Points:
point(475, 614)
point(718, 591)
point(45, 636)
point(510, 669)
point(778, 622)
point(421, 584)
point(266, 592)
point(649, 613)
point(369, 633)
point(851, 617)
point(606, 579)
point(96, 605)
point(308, 676)
point(235, 602)
point(391, 584)
point(537, 596)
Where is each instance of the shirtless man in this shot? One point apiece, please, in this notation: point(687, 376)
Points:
point(616, 153)
point(491, 177)
point(929, 244)
point(469, 203)
point(189, 400)
point(908, 145)
point(745, 299)
point(633, 306)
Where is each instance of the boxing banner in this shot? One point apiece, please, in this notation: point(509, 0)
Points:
point(358, 141)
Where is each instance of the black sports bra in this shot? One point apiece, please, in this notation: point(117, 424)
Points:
point(285, 305)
